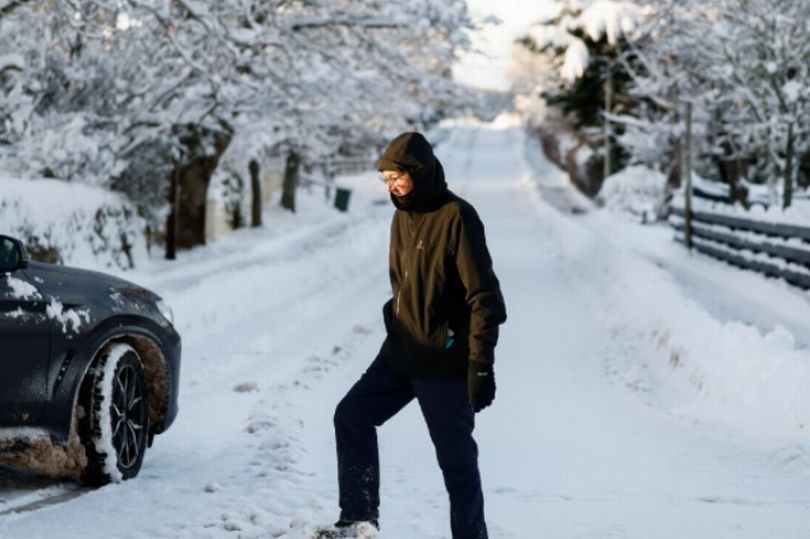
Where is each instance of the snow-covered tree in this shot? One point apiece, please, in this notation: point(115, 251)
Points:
point(135, 93)
point(569, 74)
point(577, 48)
point(744, 66)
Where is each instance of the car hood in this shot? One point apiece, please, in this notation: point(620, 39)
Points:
point(65, 282)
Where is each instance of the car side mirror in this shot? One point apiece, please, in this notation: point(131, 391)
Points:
point(13, 254)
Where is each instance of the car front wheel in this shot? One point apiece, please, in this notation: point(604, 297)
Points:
point(114, 427)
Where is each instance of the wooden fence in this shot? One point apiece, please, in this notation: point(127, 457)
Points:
point(721, 192)
point(725, 237)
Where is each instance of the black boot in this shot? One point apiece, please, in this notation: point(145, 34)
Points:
point(349, 529)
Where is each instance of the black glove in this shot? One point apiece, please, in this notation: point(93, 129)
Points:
point(480, 385)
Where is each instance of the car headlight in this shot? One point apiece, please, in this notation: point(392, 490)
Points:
point(166, 311)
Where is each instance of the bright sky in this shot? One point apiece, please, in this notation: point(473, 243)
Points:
point(488, 70)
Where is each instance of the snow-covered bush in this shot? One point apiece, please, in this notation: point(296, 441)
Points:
point(637, 189)
point(72, 224)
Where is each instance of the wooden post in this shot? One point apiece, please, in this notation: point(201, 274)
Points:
point(608, 106)
point(256, 195)
point(787, 196)
point(290, 182)
point(173, 221)
point(687, 153)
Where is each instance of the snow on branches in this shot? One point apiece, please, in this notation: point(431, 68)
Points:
point(103, 91)
point(577, 20)
point(742, 65)
point(565, 59)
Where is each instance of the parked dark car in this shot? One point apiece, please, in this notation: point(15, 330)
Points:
point(89, 368)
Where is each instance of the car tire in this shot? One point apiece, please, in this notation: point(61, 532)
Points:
point(114, 425)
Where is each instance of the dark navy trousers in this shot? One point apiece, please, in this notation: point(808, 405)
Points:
point(378, 396)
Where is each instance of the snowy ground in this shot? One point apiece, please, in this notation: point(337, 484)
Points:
point(642, 392)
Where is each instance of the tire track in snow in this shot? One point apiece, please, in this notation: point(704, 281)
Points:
point(26, 491)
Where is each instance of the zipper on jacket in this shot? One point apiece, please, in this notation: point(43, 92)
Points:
point(401, 286)
point(407, 260)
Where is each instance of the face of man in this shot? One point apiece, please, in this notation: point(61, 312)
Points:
point(398, 183)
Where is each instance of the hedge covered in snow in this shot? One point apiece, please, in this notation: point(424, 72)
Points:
point(71, 223)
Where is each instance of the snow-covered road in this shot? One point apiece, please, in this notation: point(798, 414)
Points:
point(609, 420)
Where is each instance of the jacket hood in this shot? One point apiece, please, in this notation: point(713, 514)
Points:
point(411, 152)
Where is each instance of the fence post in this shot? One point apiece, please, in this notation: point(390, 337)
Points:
point(787, 194)
point(608, 106)
point(173, 220)
point(687, 228)
point(256, 194)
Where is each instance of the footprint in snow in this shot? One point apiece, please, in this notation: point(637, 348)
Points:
point(255, 427)
point(246, 387)
point(361, 330)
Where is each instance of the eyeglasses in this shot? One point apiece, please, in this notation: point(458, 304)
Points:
point(394, 179)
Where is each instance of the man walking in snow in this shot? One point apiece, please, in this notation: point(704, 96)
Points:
point(442, 327)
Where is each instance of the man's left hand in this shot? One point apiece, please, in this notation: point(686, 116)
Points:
point(480, 385)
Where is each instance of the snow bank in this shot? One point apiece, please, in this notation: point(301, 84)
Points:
point(666, 346)
point(692, 363)
point(638, 190)
point(737, 373)
point(72, 223)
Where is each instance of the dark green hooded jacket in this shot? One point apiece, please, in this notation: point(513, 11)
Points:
point(441, 273)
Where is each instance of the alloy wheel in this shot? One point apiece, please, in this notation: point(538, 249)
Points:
point(129, 416)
